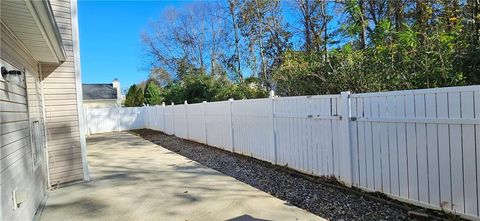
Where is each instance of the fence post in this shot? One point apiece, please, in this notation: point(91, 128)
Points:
point(205, 121)
point(146, 111)
point(163, 109)
point(173, 119)
point(186, 118)
point(346, 150)
point(232, 139)
point(274, 127)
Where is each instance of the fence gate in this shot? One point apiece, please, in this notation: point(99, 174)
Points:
point(419, 145)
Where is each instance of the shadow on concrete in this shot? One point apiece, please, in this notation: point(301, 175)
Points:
point(246, 218)
point(133, 179)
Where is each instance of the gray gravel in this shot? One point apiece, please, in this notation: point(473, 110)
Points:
point(317, 196)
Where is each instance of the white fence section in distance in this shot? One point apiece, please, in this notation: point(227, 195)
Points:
point(102, 120)
point(418, 146)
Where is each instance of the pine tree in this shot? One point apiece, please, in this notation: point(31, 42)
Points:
point(138, 98)
point(130, 97)
point(152, 94)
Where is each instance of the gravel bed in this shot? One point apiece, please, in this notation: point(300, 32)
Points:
point(320, 196)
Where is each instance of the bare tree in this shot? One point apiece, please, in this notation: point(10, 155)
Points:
point(192, 40)
point(233, 8)
point(309, 18)
point(261, 23)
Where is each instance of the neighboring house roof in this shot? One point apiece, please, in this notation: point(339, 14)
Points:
point(99, 92)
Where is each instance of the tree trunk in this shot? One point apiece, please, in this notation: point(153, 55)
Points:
point(325, 28)
point(398, 14)
point(260, 42)
point(238, 70)
point(307, 24)
point(363, 34)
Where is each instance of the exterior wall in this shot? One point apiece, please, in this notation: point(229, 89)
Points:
point(61, 94)
point(100, 103)
point(19, 106)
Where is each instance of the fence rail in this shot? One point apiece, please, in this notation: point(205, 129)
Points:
point(419, 146)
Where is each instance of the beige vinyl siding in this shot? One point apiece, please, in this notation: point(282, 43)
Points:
point(60, 93)
point(14, 52)
point(16, 161)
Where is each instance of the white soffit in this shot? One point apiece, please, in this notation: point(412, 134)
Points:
point(33, 24)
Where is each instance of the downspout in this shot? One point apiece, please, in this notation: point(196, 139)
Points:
point(78, 81)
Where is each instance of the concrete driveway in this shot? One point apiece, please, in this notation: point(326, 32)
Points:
point(134, 179)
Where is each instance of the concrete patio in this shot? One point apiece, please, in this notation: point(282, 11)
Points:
point(134, 179)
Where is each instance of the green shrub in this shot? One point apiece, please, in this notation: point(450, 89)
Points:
point(153, 94)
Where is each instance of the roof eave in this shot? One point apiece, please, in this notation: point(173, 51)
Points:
point(46, 22)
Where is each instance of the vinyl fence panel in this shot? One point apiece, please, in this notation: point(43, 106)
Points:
point(160, 118)
point(218, 119)
point(180, 124)
point(253, 128)
point(196, 122)
point(307, 133)
point(131, 118)
point(419, 145)
point(102, 120)
point(155, 117)
point(149, 117)
point(169, 120)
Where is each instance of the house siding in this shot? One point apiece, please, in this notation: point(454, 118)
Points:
point(19, 106)
point(53, 102)
point(60, 94)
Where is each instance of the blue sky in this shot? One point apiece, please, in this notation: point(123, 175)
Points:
point(110, 44)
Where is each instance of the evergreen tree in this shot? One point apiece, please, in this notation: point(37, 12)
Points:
point(138, 98)
point(130, 97)
point(152, 94)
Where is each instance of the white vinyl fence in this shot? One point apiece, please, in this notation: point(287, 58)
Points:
point(418, 146)
point(102, 120)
